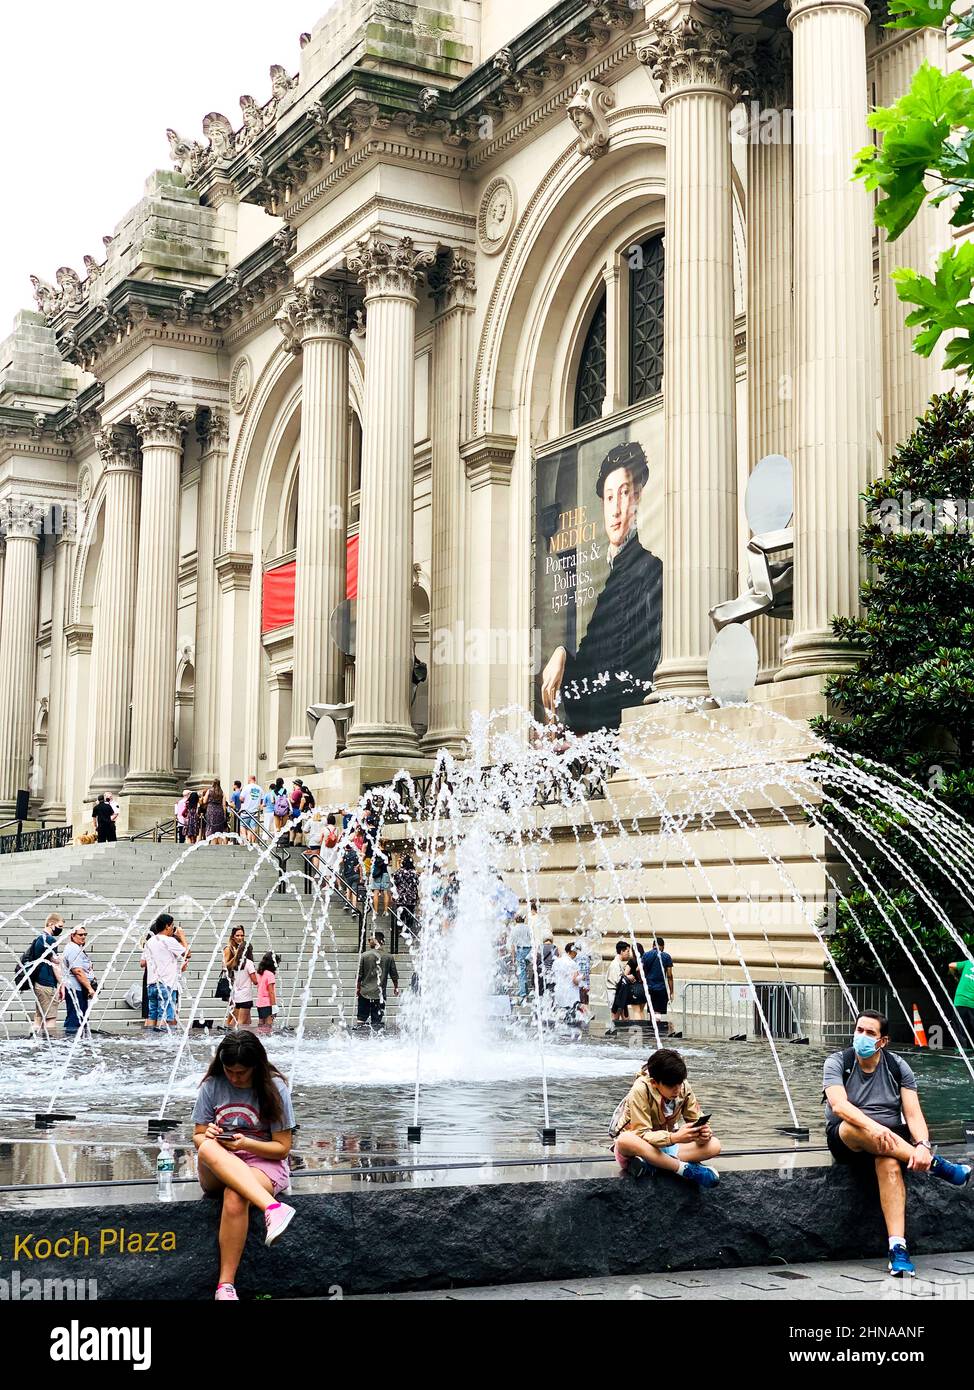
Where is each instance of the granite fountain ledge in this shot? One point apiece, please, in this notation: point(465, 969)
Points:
point(394, 1237)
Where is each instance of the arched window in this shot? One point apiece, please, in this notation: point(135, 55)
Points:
point(646, 321)
point(590, 382)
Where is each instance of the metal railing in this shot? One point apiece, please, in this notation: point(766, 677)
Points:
point(818, 1012)
point(421, 799)
point(24, 841)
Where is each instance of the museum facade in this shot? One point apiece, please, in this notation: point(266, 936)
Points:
point(322, 422)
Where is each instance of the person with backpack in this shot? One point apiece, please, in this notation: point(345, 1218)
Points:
point(43, 969)
point(282, 805)
point(660, 1124)
point(873, 1120)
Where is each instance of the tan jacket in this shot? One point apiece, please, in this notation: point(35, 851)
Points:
point(645, 1110)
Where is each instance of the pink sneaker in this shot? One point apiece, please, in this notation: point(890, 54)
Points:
point(226, 1293)
point(276, 1221)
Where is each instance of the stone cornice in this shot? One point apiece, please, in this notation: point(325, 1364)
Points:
point(277, 159)
point(488, 460)
point(392, 211)
point(233, 569)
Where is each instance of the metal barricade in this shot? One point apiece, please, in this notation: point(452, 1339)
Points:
point(818, 1012)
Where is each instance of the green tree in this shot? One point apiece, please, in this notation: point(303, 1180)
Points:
point(909, 702)
point(927, 152)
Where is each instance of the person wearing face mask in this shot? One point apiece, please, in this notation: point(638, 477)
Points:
point(873, 1118)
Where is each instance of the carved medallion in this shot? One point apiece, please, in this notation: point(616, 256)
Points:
point(84, 487)
point(496, 217)
point(241, 379)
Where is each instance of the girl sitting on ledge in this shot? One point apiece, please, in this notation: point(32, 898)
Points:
point(243, 1121)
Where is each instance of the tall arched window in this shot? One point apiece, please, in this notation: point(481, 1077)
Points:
point(646, 321)
point(590, 382)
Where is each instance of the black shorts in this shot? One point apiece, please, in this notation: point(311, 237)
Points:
point(370, 1011)
point(659, 999)
point(265, 1011)
point(843, 1154)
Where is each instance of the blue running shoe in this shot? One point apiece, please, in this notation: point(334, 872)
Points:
point(701, 1175)
point(956, 1173)
point(900, 1263)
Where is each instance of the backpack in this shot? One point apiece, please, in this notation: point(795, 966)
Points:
point(22, 971)
point(620, 1118)
point(282, 806)
point(331, 839)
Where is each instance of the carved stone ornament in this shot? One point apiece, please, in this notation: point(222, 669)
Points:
point(22, 517)
point(118, 448)
point(315, 308)
point(451, 280)
point(696, 54)
point(241, 380)
point(388, 267)
point(586, 111)
point(212, 430)
point(219, 133)
point(161, 424)
point(495, 218)
point(84, 487)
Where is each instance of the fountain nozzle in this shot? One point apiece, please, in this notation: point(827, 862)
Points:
point(162, 1126)
point(548, 1136)
point(794, 1131)
point(47, 1118)
point(414, 1134)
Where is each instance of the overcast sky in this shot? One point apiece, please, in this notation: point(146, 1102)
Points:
point(88, 91)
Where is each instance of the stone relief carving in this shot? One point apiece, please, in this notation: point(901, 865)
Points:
point(241, 380)
point(586, 111)
point(496, 216)
point(219, 133)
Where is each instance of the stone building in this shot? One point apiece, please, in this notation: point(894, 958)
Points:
point(325, 355)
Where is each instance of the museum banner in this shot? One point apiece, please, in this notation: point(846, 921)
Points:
point(598, 590)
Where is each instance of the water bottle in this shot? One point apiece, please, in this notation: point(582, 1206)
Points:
point(165, 1167)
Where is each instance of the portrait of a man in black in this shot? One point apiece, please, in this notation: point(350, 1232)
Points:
point(612, 668)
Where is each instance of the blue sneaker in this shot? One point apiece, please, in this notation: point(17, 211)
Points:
point(900, 1263)
point(701, 1175)
point(956, 1173)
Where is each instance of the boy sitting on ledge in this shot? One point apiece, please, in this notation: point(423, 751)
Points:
point(658, 1125)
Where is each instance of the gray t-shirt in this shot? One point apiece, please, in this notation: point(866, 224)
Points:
point(238, 1107)
point(76, 958)
point(876, 1095)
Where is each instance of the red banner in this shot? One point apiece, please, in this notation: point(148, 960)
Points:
point(351, 568)
point(277, 599)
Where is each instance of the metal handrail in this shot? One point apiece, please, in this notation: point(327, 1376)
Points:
point(282, 853)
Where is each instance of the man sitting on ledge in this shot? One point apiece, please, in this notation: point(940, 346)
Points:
point(659, 1124)
point(872, 1113)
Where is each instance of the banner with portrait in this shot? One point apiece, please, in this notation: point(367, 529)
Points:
point(598, 575)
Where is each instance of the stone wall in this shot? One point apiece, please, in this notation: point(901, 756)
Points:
point(404, 1237)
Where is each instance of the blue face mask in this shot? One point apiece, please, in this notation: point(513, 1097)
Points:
point(864, 1045)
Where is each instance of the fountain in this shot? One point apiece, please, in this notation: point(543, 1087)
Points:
point(690, 826)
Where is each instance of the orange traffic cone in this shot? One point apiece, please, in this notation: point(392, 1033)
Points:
point(919, 1036)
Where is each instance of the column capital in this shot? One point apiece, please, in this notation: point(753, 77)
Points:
point(388, 268)
point(213, 431)
point(22, 518)
point(772, 85)
point(800, 9)
point(315, 309)
point(451, 280)
point(702, 54)
point(118, 448)
point(161, 423)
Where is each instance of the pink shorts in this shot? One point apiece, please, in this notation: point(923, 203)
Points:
point(277, 1169)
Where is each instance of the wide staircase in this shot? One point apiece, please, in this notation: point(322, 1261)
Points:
point(107, 886)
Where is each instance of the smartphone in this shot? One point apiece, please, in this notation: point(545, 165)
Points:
point(704, 1119)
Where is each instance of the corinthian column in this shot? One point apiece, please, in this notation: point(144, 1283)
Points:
point(770, 317)
point(909, 380)
point(64, 550)
point(383, 642)
point(113, 653)
point(697, 64)
point(834, 384)
point(213, 432)
point(315, 323)
point(454, 299)
point(21, 518)
point(161, 429)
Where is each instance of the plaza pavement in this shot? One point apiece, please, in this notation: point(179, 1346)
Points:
point(939, 1277)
